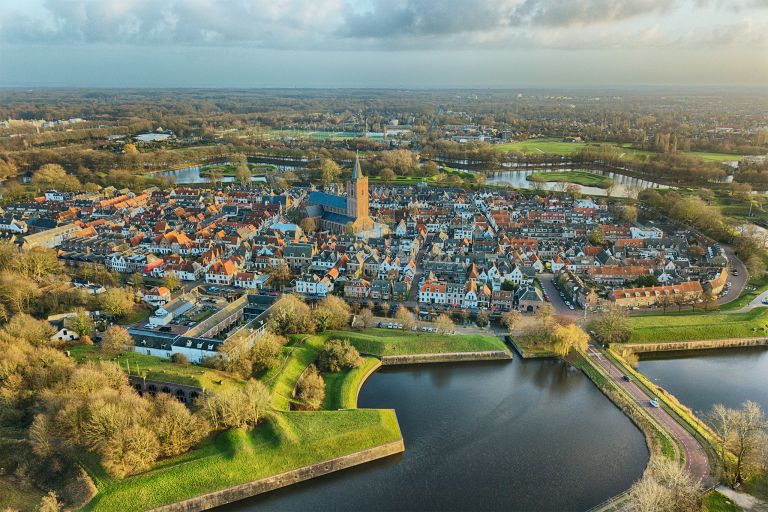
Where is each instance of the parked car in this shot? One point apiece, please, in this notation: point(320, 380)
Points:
point(653, 402)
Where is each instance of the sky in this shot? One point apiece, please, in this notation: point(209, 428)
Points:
point(383, 43)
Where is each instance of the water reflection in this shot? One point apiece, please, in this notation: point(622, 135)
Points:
point(625, 186)
point(703, 378)
point(484, 436)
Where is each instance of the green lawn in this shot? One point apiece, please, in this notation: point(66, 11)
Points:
point(432, 180)
point(230, 170)
point(392, 342)
point(160, 369)
point(532, 346)
point(663, 328)
point(236, 456)
point(712, 157)
point(341, 388)
point(713, 501)
point(587, 179)
point(304, 349)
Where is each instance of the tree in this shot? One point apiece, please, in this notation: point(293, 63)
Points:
point(17, 293)
point(130, 451)
point(337, 355)
point(666, 486)
point(573, 190)
point(266, 351)
point(243, 174)
point(236, 354)
point(538, 180)
point(596, 237)
point(280, 273)
point(237, 406)
point(387, 175)
point(177, 429)
point(50, 503)
point(116, 341)
point(329, 171)
point(511, 319)
point(308, 225)
point(366, 317)
point(179, 358)
point(405, 317)
point(444, 324)
point(290, 315)
point(741, 438)
point(567, 338)
point(482, 318)
point(755, 266)
point(81, 323)
point(310, 389)
point(628, 214)
point(612, 326)
point(171, 281)
point(117, 302)
point(332, 313)
point(138, 280)
point(53, 176)
point(130, 149)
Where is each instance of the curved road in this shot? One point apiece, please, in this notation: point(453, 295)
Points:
point(695, 457)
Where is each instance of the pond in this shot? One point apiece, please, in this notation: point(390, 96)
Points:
point(625, 186)
point(703, 378)
point(520, 435)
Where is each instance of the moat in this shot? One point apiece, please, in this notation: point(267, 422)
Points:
point(520, 435)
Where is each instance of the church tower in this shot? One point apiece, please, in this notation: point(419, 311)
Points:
point(357, 193)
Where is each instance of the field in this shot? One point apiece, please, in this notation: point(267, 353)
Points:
point(586, 179)
point(432, 180)
point(392, 342)
point(672, 327)
point(558, 147)
point(533, 346)
point(230, 170)
point(713, 501)
point(160, 369)
point(341, 388)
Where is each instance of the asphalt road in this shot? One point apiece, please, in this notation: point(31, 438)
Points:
point(737, 282)
point(695, 457)
point(558, 304)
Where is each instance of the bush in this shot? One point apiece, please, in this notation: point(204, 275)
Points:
point(310, 390)
point(332, 313)
point(179, 358)
point(337, 355)
point(290, 315)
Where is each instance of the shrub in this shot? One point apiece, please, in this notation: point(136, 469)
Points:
point(179, 358)
point(337, 355)
point(310, 390)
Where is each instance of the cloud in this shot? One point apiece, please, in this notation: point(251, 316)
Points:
point(375, 24)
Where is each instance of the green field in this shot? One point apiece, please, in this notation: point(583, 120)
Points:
point(586, 179)
point(663, 328)
point(533, 346)
point(230, 170)
point(237, 456)
point(159, 369)
point(393, 342)
point(555, 145)
point(432, 180)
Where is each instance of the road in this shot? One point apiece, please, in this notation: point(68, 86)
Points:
point(695, 457)
point(737, 282)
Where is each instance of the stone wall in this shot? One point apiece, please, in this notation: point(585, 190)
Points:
point(239, 492)
point(448, 357)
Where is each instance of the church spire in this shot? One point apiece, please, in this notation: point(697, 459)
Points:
point(356, 171)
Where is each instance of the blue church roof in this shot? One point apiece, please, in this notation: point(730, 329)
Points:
point(330, 200)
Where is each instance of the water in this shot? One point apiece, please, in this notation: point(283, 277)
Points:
point(703, 378)
point(521, 435)
point(189, 175)
point(625, 186)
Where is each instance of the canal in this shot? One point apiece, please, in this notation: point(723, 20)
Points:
point(703, 378)
point(520, 435)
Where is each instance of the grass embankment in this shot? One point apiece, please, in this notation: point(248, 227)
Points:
point(532, 346)
point(237, 456)
point(436, 180)
point(341, 388)
point(666, 328)
point(159, 369)
point(713, 501)
point(586, 179)
point(392, 342)
point(659, 441)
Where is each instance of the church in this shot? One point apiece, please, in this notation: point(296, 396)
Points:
point(343, 214)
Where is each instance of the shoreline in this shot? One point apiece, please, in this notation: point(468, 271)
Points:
point(670, 346)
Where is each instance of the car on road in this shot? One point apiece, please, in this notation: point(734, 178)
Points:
point(570, 306)
point(627, 378)
point(653, 402)
point(765, 300)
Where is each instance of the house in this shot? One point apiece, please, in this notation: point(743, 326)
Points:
point(313, 285)
point(157, 296)
point(528, 299)
point(682, 293)
point(11, 225)
point(65, 334)
point(221, 272)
